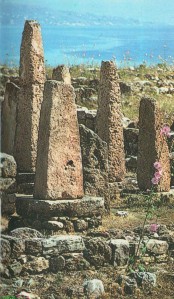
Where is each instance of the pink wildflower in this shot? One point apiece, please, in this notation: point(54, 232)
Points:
point(157, 165)
point(165, 131)
point(153, 228)
point(155, 181)
point(158, 174)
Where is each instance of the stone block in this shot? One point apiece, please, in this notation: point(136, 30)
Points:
point(8, 185)
point(18, 247)
point(15, 268)
point(25, 233)
point(98, 252)
point(80, 225)
point(5, 250)
point(157, 247)
point(88, 206)
point(22, 178)
point(75, 262)
point(33, 246)
point(93, 288)
point(36, 265)
point(8, 166)
point(57, 263)
point(53, 225)
point(120, 251)
point(57, 245)
point(8, 203)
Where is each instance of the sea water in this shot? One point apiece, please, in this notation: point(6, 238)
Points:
point(89, 45)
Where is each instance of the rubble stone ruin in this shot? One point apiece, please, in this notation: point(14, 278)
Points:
point(32, 78)
point(59, 165)
point(61, 73)
point(152, 147)
point(109, 120)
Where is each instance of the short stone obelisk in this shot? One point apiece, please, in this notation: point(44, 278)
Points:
point(32, 77)
point(59, 165)
point(152, 147)
point(61, 73)
point(109, 120)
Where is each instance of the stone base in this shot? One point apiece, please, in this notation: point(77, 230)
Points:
point(25, 183)
point(59, 215)
point(27, 206)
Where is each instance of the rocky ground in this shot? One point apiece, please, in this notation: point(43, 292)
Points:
point(69, 284)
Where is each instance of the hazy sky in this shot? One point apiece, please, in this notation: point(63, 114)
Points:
point(146, 10)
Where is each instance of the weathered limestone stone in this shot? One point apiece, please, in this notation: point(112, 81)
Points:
point(59, 165)
point(25, 232)
point(32, 77)
point(57, 263)
point(88, 206)
point(95, 164)
point(36, 265)
point(75, 262)
point(8, 166)
point(61, 244)
point(15, 268)
point(93, 288)
point(8, 117)
point(157, 246)
point(18, 247)
point(97, 252)
point(53, 225)
point(5, 250)
point(109, 120)
point(152, 147)
point(33, 246)
point(120, 251)
point(8, 202)
point(61, 73)
point(8, 185)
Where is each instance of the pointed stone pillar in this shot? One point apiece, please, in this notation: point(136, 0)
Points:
point(109, 120)
point(152, 147)
point(59, 164)
point(32, 77)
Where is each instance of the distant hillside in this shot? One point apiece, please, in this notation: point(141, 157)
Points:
point(16, 15)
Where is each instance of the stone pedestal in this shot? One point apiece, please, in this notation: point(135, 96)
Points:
point(58, 215)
